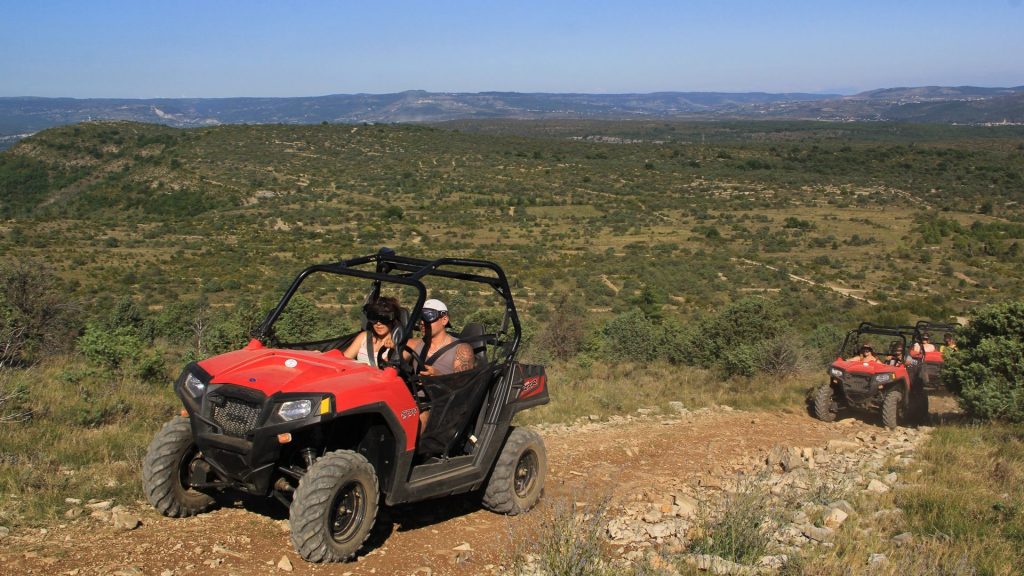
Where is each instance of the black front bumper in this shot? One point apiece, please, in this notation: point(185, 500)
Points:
point(233, 428)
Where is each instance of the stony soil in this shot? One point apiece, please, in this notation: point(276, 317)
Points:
point(638, 462)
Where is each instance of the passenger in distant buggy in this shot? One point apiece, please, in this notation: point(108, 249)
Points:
point(948, 343)
point(925, 345)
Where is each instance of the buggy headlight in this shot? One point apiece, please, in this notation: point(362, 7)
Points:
point(835, 372)
point(883, 377)
point(295, 409)
point(194, 385)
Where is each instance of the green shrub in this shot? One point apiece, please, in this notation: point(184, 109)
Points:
point(987, 372)
point(631, 335)
point(822, 342)
point(300, 322)
point(730, 339)
point(110, 349)
point(779, 356)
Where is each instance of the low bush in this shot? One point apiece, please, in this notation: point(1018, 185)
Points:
point(987, 372)
point(739, 528)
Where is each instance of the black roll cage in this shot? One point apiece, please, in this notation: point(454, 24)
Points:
point(900, 332)
point(388, 267)
point(923, 326)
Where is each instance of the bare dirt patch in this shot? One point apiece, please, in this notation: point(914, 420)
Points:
point(588, 463)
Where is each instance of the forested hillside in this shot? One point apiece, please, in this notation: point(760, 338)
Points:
point(657, 267)
point(877, 221)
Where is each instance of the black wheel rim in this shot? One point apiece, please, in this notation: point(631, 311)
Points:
point(526, 474)
point(188, 460)
point(347, 512)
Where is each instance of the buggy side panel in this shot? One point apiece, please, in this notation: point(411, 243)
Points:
point(455, 399)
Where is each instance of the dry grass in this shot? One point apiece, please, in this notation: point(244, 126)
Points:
point(579, 391)
point(86, 439)
point(962, 503)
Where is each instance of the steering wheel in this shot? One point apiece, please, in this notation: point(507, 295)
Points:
point(415, 360)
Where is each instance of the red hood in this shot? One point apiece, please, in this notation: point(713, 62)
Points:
point(870, 368)
point(353, 384)
point(860, 367)
point(272, 370)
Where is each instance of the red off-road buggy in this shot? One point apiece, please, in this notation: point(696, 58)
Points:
point(332, 438)
point(872, 385)
point(926, 366)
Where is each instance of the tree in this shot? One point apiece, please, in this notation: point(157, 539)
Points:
point(36, 318)
point(562, 337)
point(987, 371)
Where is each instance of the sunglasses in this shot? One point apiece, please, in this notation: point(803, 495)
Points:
point(431, 315)
point(379, 319)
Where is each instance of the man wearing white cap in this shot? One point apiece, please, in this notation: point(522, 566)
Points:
point(445, 354)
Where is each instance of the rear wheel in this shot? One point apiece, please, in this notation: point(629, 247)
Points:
point(166, 470)
point(334, 507)
point(892, 408)
point(518, 477)
point(824, 403)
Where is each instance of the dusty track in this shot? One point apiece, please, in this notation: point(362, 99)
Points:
point(618, 459)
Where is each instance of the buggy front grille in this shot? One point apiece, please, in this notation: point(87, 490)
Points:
point(857, 387)
point(236, 417)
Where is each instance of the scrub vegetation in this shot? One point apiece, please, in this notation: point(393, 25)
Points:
point(651, 262)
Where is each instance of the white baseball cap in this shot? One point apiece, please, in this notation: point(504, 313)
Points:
point(435, 304)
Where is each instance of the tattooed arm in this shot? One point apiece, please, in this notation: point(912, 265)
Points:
point(464, 359)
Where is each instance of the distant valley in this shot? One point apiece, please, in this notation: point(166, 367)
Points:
point(22, 116)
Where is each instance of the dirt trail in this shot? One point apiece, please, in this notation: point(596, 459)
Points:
point(848, 292)
point(617, 459)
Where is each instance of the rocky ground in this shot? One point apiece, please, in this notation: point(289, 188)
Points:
point(650, 475)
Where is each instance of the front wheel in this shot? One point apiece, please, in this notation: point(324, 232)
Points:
point(892, 408)
point(334, 507)
point(824, 403)
point(518, 477)
point(166, 470)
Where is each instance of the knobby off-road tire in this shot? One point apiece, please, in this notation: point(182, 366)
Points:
point(822, 403)
point(518, 477)
point(892, 408)
point(334, 507)
point(165, 472)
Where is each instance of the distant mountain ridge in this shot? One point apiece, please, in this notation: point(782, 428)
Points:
point(20, 116)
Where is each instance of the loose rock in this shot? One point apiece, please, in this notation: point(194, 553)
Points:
point(877, 487)
point(904, 538)
point(819, 534)
point(835, 518)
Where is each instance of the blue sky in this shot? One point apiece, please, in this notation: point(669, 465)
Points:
point(224, 48)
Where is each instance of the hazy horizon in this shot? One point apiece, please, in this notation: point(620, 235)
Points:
point(193, 49)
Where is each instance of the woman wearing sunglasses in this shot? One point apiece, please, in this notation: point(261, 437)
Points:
point(381, 315)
